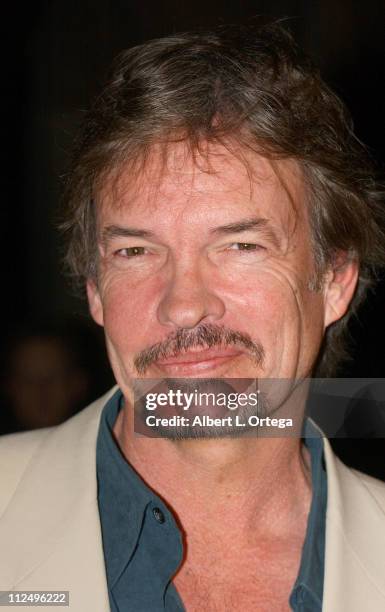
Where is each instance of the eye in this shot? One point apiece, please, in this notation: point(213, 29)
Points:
point(245, 246)
point(131, 252)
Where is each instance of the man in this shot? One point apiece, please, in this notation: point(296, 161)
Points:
point(225, 222)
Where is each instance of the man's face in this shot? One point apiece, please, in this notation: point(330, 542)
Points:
point(208, 271)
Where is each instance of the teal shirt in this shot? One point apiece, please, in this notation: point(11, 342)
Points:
point(143, 544)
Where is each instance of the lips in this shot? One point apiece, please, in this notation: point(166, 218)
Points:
point(198, 359)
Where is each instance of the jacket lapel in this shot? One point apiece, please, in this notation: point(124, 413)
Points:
point(355, 540)
point(59, 544)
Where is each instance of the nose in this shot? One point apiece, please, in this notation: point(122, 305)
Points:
point(189, 300)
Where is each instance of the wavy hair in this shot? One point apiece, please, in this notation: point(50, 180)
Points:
point(248, 84)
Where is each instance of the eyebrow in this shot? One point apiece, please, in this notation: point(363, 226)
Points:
point(253, 223)
point(117, 231)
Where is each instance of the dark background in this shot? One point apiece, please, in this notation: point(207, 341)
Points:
point(54, 57)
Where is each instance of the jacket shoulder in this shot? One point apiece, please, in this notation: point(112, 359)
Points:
point(375, 487)
point(16, 451)
point(20, 451)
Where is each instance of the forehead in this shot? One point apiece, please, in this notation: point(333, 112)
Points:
point(212, 182)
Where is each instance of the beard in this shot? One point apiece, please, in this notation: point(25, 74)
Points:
point(211, 408)
point(195, 424)
point(209, 400)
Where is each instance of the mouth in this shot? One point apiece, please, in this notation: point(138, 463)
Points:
point(198, 360)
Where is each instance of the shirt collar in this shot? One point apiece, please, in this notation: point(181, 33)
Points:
point(122, 495)
point(308, 587)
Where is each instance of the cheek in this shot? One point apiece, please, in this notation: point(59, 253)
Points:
point(264, 306)
point(129, 313)
point(260, 308)
point(278, 311)
point(264, 295)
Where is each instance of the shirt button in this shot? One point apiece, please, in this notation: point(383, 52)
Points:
point(158, 515)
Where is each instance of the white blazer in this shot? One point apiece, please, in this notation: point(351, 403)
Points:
point(50, 535)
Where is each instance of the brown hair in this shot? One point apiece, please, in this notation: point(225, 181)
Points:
point(251, 84)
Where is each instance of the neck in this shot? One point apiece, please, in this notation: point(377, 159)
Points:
point(263, 482)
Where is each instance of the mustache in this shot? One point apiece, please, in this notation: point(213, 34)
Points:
point(206, 336)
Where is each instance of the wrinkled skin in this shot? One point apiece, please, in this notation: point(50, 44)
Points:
point(188, 273)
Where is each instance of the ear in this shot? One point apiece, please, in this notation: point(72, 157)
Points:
point(340, 287)
point(94, 302)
